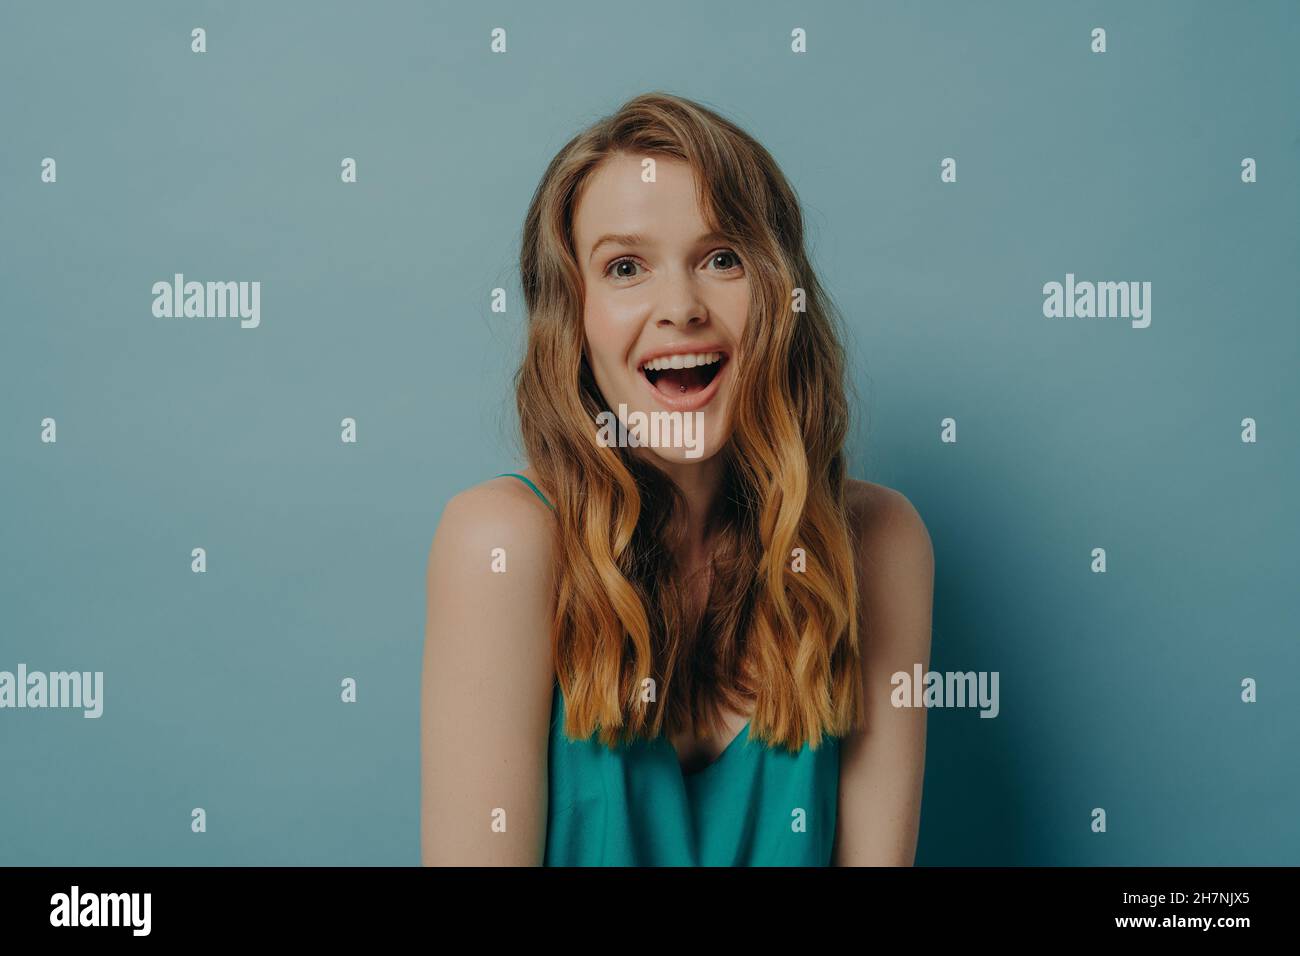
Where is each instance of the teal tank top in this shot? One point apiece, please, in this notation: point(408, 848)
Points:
point(632, 805)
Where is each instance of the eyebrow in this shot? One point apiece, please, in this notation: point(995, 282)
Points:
point(633, 239)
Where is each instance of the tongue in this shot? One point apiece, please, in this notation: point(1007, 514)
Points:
point(682, 381)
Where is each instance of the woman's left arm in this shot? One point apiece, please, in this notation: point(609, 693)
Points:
point(882, 765)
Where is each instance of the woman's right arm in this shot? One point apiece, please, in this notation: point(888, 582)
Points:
point(485, 700)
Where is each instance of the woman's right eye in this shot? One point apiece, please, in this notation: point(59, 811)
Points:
point(616, 264)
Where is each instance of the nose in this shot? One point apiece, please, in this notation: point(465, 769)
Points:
point(681, 306)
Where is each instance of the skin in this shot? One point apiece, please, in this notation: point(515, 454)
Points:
point(488, 665)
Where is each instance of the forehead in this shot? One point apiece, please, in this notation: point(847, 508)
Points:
point(615, 199)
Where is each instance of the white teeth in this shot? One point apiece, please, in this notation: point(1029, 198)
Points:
point(682, 360)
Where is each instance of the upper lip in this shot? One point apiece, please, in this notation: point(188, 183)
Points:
point(684, 349)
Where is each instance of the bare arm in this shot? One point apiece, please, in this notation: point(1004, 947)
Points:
point(882, 766)
point(486, 683)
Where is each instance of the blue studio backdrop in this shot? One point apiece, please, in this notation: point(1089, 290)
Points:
point(1111, 499)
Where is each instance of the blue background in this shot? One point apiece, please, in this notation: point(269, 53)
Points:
point(1118, 690)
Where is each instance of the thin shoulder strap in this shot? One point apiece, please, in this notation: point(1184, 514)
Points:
point(537, 491)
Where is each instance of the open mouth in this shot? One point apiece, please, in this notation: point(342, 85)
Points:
point(679, 376)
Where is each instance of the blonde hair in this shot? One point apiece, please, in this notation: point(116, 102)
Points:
point(786, 639)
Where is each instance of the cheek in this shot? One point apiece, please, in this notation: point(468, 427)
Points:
point(737, 310)
point(609, 335)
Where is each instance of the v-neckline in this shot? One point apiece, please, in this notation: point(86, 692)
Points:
point(672, 751)
point(677, 760)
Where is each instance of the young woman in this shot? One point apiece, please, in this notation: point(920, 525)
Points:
point(674, 648)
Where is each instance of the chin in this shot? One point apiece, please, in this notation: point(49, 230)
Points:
point(675, 438)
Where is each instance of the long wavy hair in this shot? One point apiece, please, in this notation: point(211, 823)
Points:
point(772, 631)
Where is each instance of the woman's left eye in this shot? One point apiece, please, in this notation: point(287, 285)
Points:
point(726, 254)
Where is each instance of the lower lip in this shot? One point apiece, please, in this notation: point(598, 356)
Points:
point(687, 403)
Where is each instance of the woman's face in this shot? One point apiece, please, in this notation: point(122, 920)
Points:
point(666, 305)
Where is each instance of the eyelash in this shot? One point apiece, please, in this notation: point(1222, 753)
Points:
point(712, 256)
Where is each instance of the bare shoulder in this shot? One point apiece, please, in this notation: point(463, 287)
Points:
point(494, 544)
point(490, 586)
point(895, 567)
point(885, 523)
point(499, 512)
